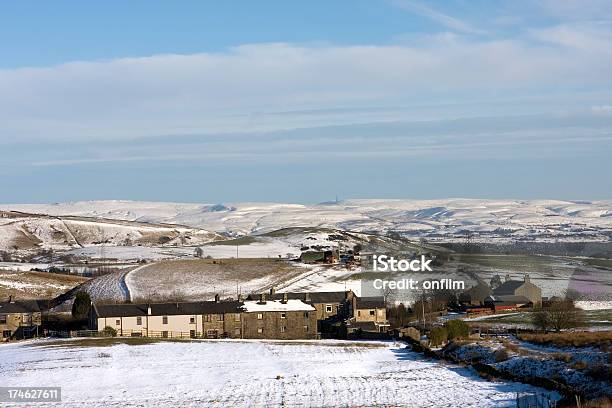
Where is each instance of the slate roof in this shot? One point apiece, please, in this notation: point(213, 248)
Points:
point(370, 302)
point(20, 306)
point(480, 291)
point(508, 288)
point(507, 300)
point(168, 309)
point(315, 297)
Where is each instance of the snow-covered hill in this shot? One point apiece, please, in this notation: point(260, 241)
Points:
point(27, 231)
point(448, 219)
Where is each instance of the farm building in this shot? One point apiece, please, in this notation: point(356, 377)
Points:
point(20, 319)
point(519, 288)
point(327, 256)
point(506, 303)
point(475, 295)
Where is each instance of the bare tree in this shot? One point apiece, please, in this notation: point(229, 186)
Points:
point(559, 315)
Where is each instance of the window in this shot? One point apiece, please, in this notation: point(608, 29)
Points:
point(192, 320)
point(165, 334)
point(207, 318)
point(328, 308)
point(283, 329)
point(139, 321)
point(220, 317)
point(259, 316)
point(260, 330)
point(192, 333)
point(306, 329)
point(237, 332)
point(372, 313)
point(164, 319)
point(306, 315)
point(2, 319)
point(283, 315)
point(359, 313)
point(118, 322)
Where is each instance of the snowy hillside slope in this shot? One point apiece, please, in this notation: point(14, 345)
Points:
point(26, 231)
point(448, 219)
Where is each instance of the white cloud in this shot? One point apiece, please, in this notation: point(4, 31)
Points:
point(434, 15)
point(602, 110)
point(243, 89)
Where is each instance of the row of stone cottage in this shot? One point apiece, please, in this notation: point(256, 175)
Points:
point(285, 316)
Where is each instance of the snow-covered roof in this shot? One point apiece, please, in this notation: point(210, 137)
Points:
point(292, 305)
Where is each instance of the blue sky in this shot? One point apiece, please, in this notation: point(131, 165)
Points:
point(305, 101)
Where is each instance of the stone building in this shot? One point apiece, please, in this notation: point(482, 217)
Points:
point(330, 307)
point(213, 319)
point(369, 314)
point(20, 319)
point(286, 319)
point(519, 288)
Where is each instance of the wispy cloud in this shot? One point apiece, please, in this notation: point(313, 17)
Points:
point(445, 20)
point(238, 90)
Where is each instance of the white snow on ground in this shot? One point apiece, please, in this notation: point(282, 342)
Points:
point(265, 249)
point(324, 279)
point(133, 253)
point(249, 374)
point(594, 305)
point(504, 220)
point(19, 266)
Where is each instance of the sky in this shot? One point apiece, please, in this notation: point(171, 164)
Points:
point(213, 102)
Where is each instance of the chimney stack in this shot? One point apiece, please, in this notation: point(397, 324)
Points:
point(10, 298)
point(527, 278)
point(285, 298)
point(272, 291)
point(307, 297)
point(240, 297)
point(149, 310)
point(507, 277)
point(262, 299)
point(217, 298)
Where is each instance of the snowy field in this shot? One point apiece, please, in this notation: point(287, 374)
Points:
point(249, 374)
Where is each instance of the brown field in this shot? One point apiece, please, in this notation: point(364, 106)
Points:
point(570, 339)
point(36, 285)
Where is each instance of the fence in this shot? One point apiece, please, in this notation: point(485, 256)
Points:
point(138, 333)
